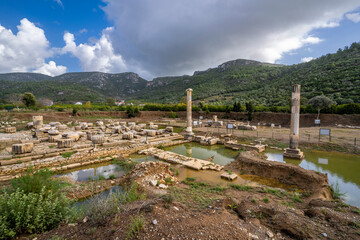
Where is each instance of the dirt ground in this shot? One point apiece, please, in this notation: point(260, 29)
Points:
point(196, 210)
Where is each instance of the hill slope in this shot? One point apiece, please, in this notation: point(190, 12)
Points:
point(335, 75)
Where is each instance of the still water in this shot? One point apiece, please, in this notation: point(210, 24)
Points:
point(342, 169)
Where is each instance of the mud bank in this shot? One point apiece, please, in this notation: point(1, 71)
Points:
point(307, 180)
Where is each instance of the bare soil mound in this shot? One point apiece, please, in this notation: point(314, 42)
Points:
point(307, 180)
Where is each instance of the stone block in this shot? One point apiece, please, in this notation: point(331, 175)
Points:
point(229, 176)
point(53, 138)
point(151, 133)
point(78, 128)
point(10, 130)
point(128, 136)
point(22, 148)
point(154, 127)
point(61, 127)
point(169, 129)
point(98, 139)
point(53, 132)
point(212, 141)
point(65, 143)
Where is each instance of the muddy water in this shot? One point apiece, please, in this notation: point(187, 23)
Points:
point(342, 169)
point(222, 155)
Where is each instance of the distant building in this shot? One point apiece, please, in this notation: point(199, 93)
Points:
point(78, 103)
point(119, 103)
point(45, 102)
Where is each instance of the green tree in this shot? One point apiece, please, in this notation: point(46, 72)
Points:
point(110, 101)
point(250, 110)
point(29, 99)
point(132, 111)
point(320, 102)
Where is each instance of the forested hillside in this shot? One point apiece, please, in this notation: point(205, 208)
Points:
point(334, 75)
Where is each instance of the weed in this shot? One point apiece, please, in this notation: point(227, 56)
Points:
point(296, 197)
point(265, 200)
point(253, 200)
point(112, 176)
point(127, 165)
point(241, 187)
point(136, 224)
point(217, 189)
point(232, 206)
point(168, 198)
point(51, 146)
point(168, 181)
point(176, 172)
point(324, 211)
point(356, 210)
point(67, 154)
point(275, 192)
point(190, 179)
point(335, 191)
point(34, 182)
point(92, 231)
point(101, 177)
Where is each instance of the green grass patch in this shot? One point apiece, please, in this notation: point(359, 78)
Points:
point(241, 187)
point(335, 191)
point(67, 154)
point(265, 200)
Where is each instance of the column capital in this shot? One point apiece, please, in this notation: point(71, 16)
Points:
point(189, 90)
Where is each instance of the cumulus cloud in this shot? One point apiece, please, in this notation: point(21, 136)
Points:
point(24, 51)
point(51, 69)
point(306, 59)
point(355, 17)
point(98, 56)
point(175, 37)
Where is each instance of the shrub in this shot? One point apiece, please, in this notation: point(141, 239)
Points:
point(31, 213)
point(136, 224)
point(132, 111)
point(34, 182)
point(173, 115)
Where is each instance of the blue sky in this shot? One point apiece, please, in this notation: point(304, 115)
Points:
point(158, 38)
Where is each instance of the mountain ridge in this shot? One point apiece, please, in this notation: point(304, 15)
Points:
point(336, 75)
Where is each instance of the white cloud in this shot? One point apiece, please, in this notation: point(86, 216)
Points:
point(306, 59)
point(98, 56)
point(51, 69)
point(355, 17)
point(167, 37)
point(24, 51)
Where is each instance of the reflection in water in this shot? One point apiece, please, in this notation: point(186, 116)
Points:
point(84, 203)
point(340, 168)
point(323, 161)
point(94, 172)
point(222, 155)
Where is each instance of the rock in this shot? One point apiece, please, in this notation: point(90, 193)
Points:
point(269, 234)
point(153, 183)
point(162, 186)
point(85, 219)
point(177, 209)
point(252, 236)
point(154, 222)
point(324, 234)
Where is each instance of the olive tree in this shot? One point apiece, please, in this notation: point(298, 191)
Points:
point(29, 99)
point(320, 102)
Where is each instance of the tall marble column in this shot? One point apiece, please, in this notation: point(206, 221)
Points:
point(293, 151)
point(188, 111)
point(188, 132)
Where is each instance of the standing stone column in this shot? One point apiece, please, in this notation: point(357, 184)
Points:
point(293, 151)
point(188, 130)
